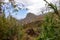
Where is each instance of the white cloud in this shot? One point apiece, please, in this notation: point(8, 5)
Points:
point(33, 5)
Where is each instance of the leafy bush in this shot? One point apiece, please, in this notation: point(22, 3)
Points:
point(9, 28)
point(50, 29)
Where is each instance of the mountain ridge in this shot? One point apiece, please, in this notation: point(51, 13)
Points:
point(31, 18)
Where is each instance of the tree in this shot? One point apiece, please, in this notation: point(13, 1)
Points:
point(54, 7)
point(9, 28)
point(1, 2)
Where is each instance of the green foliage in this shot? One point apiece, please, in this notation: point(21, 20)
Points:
point(9, 28)
point(50, 29)
point(54, 7)
point(50, 26)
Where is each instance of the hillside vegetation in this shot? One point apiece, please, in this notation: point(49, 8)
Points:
point(9, 28)
point(46, 29)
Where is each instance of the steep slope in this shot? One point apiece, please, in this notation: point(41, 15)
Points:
point(31, 18)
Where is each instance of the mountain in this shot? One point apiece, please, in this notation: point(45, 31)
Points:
point(31, 26)
point(30, 15)
point(31, 18)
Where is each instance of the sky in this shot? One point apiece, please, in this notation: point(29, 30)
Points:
point(34, 6)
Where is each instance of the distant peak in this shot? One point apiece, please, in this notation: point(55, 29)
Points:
point(30, 15)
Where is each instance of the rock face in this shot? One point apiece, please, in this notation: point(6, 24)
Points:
point(31, 18)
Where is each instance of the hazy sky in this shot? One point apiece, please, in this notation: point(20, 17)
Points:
point(33, 6)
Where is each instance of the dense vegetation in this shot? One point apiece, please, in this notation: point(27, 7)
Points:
point(50, 28)
point(9, 28)
point(47, 29)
